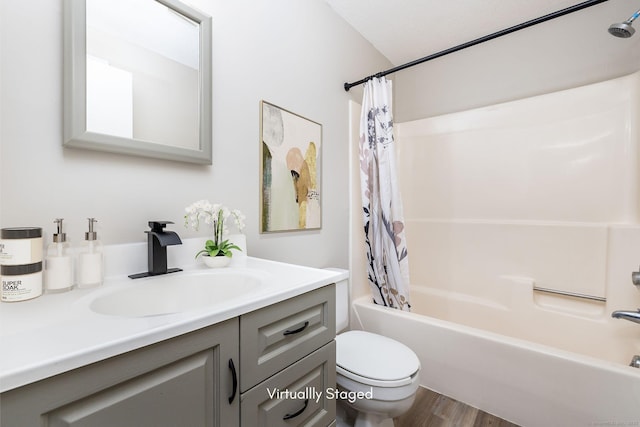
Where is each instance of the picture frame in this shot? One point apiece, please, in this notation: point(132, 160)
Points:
point(291, 171)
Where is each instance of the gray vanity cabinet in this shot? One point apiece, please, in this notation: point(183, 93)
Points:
point(196, 379)
point(184, 381)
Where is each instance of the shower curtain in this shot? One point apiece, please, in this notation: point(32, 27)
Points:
point(385, 243)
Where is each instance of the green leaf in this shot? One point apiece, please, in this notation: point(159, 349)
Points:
point(222, 249)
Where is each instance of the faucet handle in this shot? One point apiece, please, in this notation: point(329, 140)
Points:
point(158, 226)
point(635, 278)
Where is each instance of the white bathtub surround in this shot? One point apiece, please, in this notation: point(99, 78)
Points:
point(570, 156)
point(531, 188)
point(465, 255)
point(385, 244)
point(500, 201)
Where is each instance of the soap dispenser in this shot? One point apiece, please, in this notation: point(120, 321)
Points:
point(58, 263)
point(90, 259)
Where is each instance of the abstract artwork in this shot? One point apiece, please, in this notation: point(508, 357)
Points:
point(291, 170)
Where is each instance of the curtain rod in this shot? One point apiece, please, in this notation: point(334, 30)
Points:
point(483, 39)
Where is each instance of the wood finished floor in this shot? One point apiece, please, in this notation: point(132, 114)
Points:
point(431, 409)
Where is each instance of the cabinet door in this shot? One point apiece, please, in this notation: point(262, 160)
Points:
point(184, 381)
point(179, 394)
point(300, 395)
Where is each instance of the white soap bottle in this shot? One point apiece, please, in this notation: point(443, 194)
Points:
point(58, 263)
point(90, 259)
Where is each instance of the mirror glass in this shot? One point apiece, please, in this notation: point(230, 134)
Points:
point(138, 78)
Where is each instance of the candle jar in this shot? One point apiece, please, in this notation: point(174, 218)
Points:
point(21, 282)
point(20, 245)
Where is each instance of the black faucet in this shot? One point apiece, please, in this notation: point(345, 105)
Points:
point(157, 241)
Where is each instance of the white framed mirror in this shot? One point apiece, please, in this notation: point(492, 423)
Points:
point(137, 78)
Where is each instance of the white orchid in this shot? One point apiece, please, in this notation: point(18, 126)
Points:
point(214, 215)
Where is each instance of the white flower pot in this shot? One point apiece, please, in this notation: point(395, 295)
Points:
point(216, 261)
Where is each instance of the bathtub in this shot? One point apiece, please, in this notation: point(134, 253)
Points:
point(532, 358)
point(501, 200)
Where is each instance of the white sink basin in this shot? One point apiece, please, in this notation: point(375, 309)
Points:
point(177, 292)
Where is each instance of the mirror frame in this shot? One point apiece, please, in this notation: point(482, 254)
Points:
point(75, 102)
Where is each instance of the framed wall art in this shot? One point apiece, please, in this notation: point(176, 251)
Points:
point(290, 153)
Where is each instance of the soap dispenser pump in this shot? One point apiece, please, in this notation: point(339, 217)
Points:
point(90, 259)
point(58, 263)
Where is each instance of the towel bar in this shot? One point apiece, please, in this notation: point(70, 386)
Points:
point(570, 294)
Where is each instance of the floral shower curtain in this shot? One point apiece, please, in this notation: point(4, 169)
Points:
point(385, 242)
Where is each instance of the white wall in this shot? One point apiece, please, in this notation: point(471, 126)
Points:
point(566, 52)
point(295, 54)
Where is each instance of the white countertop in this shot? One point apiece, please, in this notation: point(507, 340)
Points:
point(56, 333)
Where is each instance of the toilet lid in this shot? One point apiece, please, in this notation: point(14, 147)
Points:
point(375, 357)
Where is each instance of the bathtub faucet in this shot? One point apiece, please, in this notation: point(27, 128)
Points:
point(635, 278)
point(633, 316)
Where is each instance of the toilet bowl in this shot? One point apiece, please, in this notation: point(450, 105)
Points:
point(377, 377)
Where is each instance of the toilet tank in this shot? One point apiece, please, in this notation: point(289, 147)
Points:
point(342, 300)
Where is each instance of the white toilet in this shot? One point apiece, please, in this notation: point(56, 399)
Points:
point(378, 374)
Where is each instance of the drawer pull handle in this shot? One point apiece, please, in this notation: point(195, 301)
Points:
point(234, 378)
point(298, 412)
point(295, 331)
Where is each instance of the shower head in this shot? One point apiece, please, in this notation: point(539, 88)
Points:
point(624, 29)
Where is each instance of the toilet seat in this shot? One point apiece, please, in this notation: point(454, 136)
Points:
point(375, 359)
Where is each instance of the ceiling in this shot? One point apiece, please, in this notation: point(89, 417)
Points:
point(412, 29)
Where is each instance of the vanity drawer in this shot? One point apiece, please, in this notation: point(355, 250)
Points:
point(275, 337)
point(296, 396)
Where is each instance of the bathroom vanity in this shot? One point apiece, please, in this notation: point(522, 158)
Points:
point(236, 364)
